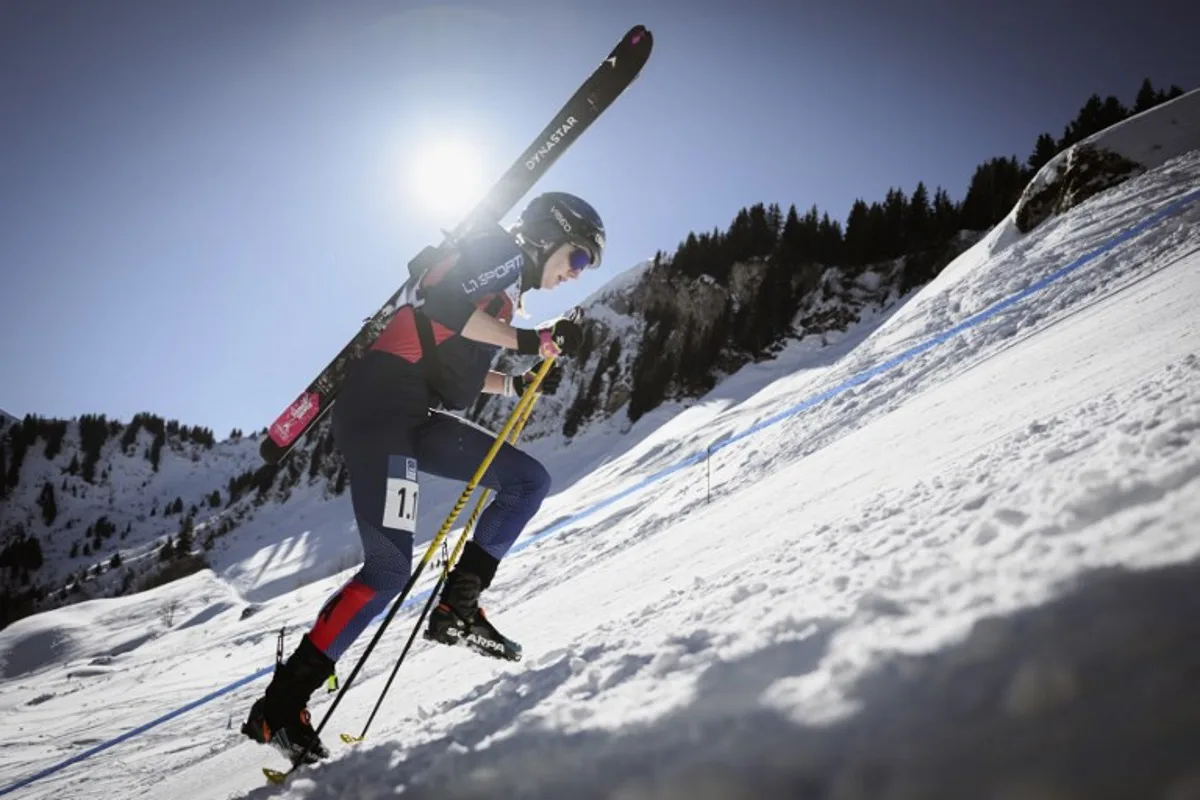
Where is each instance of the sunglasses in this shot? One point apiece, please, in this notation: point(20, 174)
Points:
point(580, 259)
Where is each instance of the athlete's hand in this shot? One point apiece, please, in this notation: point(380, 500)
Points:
point(562, 337)
point(549, 384)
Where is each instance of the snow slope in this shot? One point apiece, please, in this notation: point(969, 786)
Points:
point(906, 590)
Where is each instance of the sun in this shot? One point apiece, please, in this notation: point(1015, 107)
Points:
point(445, 177)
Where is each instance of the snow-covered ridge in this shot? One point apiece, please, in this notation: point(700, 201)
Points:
point(136, 504)
point(756, 623)
point(1102, 161)
point(1106, 159)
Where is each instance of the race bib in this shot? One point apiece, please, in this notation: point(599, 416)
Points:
point(400, 507)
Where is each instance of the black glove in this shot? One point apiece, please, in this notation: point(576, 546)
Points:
point(549, 384)
point(563, 337)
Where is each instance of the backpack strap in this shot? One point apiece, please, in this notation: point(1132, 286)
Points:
point(417, 268)
point(429, 353)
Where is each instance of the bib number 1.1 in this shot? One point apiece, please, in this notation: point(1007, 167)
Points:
point(400, 508)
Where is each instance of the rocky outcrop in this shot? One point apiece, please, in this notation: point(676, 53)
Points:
point(1087, 171)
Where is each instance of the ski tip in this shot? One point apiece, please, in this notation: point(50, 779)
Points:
point(639, 32)
point(350, 738)
point(274, 776)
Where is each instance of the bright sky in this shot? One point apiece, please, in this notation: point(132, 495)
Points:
point(200, 202)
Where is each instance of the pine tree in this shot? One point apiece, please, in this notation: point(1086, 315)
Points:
point(1147, 98)
point(93, 433)
point(18, 458)
point(763, 232)
point(876, 233)
point(995, 188)
point(1095, 116)
point(1044, 150)
point(1112, 112)
point(48, 504)
point(775, 221)
point(653, 366)
point(858, 234)
point(831, 241)
point(55, 432)
point(129, 437)
point(807, 239)
point(790, 249)
point(945, 215)
point(183, 544)
point(156, 447)
point(920, 219)
point(893, 241)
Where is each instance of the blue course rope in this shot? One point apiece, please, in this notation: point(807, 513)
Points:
point(1170, 209)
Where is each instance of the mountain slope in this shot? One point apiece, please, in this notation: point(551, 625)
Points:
point(905, 589)
point(112, 524)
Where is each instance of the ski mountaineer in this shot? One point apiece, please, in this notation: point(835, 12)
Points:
point(391, 422)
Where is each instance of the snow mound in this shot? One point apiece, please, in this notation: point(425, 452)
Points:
point(34, 643)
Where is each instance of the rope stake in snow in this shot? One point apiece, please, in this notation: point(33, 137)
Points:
point(708, 474)
point(526, 402)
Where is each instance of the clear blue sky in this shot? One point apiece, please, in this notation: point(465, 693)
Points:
point(200, 201)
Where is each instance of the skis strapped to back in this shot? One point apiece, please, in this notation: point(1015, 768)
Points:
point(595, 95)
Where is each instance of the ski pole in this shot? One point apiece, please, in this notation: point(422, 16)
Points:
point(453, 559)
point(527, 399)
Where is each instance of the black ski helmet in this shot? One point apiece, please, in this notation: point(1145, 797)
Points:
point(557, 218)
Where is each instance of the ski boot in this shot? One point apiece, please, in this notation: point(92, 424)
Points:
point(280, 717)
point(458, 620)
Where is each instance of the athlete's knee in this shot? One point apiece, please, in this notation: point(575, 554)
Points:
point(532, 480)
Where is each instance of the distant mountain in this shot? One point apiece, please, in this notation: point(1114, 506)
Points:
point(90, 503)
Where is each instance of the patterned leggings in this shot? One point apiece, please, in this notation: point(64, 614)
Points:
point(382, 456)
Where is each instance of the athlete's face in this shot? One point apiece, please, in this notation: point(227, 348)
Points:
point(565, 264)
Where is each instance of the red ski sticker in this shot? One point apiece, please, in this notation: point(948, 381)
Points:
point(291, 423)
